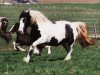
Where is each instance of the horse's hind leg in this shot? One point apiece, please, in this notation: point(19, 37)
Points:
point(49, 50)
point(69, 51)
point(27, 58)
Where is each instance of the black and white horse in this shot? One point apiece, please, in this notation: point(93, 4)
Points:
point(3, 27)
point(24, 39)
point(61, 33)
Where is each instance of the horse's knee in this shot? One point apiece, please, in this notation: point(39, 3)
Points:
point(36, 51)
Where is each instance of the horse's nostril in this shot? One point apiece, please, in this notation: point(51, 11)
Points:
point(21, 32)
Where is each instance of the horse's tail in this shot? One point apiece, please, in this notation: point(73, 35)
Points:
point(83, 37)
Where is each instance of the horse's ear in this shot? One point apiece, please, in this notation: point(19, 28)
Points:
point(29, 10)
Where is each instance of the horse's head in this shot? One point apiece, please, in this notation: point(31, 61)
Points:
point(3, 27)
point(3, 24)
point(24, 21)
point(32, 17)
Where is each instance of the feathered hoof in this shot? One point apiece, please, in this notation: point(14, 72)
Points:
point(49, 52)
point(67, 58)
point(25, 59)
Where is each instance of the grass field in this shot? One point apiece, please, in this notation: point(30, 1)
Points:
point(83, 62)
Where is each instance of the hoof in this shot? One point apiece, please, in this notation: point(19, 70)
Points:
point(25, 59)
point(49, 53)
point(68, 58)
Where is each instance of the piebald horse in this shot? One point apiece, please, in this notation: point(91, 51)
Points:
point(3, 27)
point(53, 34)
point(23, 39)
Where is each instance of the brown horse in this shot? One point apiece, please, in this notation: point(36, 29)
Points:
point(3, 27)
point(21, 39)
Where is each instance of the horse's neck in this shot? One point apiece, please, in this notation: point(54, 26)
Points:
point(34, 28)
point(34, 33)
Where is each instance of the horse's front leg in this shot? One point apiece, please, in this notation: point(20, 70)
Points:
point(27, 58)
point(41, 40)
point(36, 50)
point(17, 47)
point(69, 49)
point(14, 45)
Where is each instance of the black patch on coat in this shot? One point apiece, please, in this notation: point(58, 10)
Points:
point(69, 34)
point(34, 33)
point(54, 41)
point(68, 40)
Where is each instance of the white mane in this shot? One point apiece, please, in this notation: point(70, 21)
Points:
point(39, 17)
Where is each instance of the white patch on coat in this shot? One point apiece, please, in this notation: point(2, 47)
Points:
point(21, 26)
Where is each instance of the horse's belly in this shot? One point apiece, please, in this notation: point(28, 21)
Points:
point(56, 37)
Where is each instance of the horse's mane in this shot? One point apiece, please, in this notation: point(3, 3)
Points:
point(38, 17)
point(83, 37)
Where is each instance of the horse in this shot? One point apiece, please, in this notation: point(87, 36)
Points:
point(23, 39)
point(3, 27)
point(53, 34)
